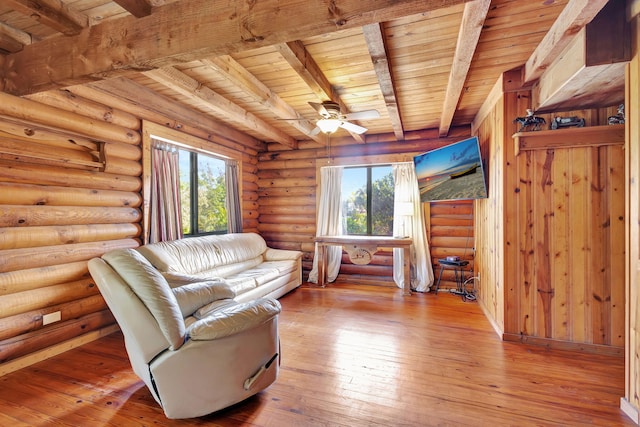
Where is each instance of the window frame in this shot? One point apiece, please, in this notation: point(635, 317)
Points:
point(184, 141)
point(369, 204)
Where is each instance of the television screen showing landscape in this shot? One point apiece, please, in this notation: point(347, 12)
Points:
point(453, 172)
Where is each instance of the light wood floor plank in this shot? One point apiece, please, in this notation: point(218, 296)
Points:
point(352, 355)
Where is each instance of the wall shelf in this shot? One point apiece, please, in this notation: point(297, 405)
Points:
point(569, 137)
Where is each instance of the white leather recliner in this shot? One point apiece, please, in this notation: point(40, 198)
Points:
point(195, 348)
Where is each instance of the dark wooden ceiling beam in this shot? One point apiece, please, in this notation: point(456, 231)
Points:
point(52, 13)
point(137, 8)
point(374, 36)
point(308, 69)
point(472, 21)
point(199, 28)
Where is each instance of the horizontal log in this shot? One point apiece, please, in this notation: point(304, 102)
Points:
point(63, 156)
point(287, 191)
point(250, 204)
point(287, 210)
point(453, 231)
point(32, 320)
point(452, 242)
point(40, 160)
point(452, 220)
point(367, 269)
point(21, 259)
point(22, 280)
point(287, 227)
point(250, 214)
point(280, 238)
point(308, 247)
point(249, 177)
point(25, 109)
point(290, 246)
point(288, 164)
point(439, 253)
point(29, 132)
point(124, 151)
point(249, 195)
point(250, 224)
point(452, 208)
point(249, 186)
point(68, 101)
point(288, 219)
point(41, 298)
point(286, 173)
point(288, 201)
point(31, 216)
point(51, 175)
point(287, 182)
point(120, 166)
point(30, 194)
point(55, 334)
point(30, 237)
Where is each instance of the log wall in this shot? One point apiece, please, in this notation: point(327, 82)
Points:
point(553, 273)
point(288, 182)
point(71, 188)
point(67, 194)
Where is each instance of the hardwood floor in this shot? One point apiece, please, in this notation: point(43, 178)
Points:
point(353, 355)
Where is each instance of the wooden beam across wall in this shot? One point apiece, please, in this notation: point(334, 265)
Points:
point(199, 28)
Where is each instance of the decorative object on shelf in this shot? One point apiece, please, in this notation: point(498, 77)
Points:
point(360, 255)
point(618, 119)
point(566, 122)
point(530, 121)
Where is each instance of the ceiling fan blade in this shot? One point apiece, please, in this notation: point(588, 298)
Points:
point(363, 115)
point(316, 130)
point(353, 127)
point(320, 109)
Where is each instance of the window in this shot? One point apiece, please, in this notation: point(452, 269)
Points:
point(202, 193)
point(367, 200)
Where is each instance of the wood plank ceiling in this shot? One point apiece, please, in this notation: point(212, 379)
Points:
point(256, 66)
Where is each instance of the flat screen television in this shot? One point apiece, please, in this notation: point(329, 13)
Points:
point(454, 172)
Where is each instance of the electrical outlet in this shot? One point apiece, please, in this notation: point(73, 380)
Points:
point(51, 318)
point(478, 277)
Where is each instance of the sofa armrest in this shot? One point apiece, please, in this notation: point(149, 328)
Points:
point(272, 254)
point(233, 319)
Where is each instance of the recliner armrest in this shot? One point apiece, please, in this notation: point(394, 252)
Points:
point(233, 319)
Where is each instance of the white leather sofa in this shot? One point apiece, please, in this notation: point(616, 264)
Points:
point(243, 260)
point(202, 335)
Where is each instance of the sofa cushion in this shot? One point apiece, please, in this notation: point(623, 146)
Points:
point(192, 296)
point(194, 255)
point(233, 319)
point(153, 290)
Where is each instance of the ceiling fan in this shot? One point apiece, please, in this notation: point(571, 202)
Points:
point(332, 118)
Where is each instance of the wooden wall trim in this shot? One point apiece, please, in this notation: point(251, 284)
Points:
point(48, 352)
point(565, 345)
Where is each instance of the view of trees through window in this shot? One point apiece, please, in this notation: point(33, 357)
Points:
point(202, 193)
point(367, 200)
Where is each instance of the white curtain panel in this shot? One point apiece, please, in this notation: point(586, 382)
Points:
point(406, 191)
point(329, 222)
point(164, 210)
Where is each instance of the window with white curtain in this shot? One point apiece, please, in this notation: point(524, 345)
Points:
point(368, 200)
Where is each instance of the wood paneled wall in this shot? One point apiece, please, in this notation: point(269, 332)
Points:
point(555, 267)
point(631, 402)
point(287, 203)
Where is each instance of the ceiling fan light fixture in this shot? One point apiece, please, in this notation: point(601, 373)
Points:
point(328, 125)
